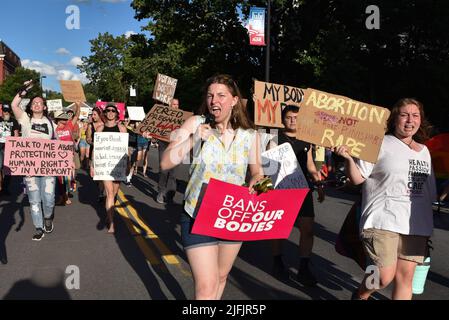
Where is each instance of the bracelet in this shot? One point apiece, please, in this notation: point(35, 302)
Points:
point(21, 90)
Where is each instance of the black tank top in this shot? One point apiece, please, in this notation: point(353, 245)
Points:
point(92, 131)
point(111, 129)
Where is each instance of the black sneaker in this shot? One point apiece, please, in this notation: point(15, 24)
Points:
point(279, 271)
point(306, 278)
point(160, 198)
point(48, 225)
point(39, 235)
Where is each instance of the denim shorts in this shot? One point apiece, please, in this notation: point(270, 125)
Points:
point(190, 240)
point(142, 146)
point(83, 144)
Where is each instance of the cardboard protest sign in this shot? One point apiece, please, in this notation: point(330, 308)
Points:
point(281, 165)
point(38, 157)
point(110, 156)
point(329, 120)
point(269, 99)
point(136, 113)
point(120, 107)
point(229, 212)
point(161, 121)
point(164, 88)
point(54, 105)
point(72, 90)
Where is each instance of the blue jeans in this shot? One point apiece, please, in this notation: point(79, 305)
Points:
point(41, 189)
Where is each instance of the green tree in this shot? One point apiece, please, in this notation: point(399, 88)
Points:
point(314, 43)
point(105, 67)
point(14, 82)
point(192, 40)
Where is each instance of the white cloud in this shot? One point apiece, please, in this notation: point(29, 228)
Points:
point(42, 68)
point(75, 61)
point(66, 75)
point(69, 75)
point(129, 33)
point(63, 51)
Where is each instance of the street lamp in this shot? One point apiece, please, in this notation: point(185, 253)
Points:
point(44, 95)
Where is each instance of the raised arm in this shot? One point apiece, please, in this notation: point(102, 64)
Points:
point(15, 104)
point(77, 111)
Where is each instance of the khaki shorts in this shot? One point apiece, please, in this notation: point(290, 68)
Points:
point(384, 248)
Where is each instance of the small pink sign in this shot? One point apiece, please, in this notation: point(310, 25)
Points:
point(120, 107)
point(229, 212)
point(38, 157)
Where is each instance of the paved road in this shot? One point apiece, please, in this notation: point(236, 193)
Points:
point(144, 259)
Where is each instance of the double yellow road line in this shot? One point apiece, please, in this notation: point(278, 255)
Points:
point(141, 232)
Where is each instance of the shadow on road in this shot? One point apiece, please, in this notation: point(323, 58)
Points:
point(9, 206)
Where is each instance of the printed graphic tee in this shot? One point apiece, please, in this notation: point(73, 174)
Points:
point(65, 133)
point(7, 128)
point(399, 190)
point(36, 128)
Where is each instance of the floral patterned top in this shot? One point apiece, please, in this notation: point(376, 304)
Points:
point(214, 161)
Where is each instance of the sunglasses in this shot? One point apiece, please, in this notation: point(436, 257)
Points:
point(110, 110)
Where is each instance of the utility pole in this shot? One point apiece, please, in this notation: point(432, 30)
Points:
point(267, 48)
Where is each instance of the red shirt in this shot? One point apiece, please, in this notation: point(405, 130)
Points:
point(65, 133)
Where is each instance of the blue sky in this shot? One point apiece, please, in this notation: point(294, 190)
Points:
point(36, 31)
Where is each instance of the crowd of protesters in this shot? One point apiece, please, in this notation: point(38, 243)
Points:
point(396, 219)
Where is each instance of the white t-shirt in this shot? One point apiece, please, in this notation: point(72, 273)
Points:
point(399, 190)
point(36, 128)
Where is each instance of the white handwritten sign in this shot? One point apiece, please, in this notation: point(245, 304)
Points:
point(54, 105)
point(281, 165)
point(136, 113)
point(110, 156)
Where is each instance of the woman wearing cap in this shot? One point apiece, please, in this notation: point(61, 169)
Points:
point(66, 128)
point(40, 189)
point(111, 124)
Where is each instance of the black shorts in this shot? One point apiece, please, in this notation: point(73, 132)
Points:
point(307, 210)
point(191, 240)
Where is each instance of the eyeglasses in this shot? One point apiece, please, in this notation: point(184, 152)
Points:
point(37, 103)
point(109, 110)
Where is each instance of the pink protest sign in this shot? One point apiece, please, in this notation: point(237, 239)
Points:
point(229, 212)
point(120, 107)
point(38, 157)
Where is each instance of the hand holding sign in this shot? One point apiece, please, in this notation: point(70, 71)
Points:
point(72, 90)
point(229, 212)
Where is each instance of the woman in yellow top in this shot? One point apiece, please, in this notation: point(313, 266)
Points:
point(83, 145)
point(226, 148)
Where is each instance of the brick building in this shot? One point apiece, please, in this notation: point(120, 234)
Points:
point(9, 61)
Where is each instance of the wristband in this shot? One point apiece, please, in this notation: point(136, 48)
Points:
point(21, 90)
